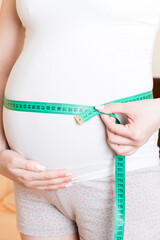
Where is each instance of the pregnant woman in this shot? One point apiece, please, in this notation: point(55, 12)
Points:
point(80, 52)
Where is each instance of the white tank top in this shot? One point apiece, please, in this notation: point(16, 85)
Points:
point(80, 52)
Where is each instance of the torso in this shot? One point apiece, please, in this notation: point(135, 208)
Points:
point(83, 52)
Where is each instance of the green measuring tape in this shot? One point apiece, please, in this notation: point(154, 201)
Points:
point(83, 114)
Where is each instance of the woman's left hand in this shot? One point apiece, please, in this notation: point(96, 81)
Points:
point(143, 120)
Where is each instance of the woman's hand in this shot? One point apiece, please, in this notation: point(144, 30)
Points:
point(143, 120)
point(25, 172)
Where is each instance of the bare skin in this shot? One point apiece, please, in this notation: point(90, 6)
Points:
point(12, 164)
point(143, 120)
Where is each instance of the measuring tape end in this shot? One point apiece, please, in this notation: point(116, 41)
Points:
point(79, 120)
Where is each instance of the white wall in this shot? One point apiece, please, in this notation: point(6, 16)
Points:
point(156, 56)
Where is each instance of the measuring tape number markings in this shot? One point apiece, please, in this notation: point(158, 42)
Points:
point(82, 114)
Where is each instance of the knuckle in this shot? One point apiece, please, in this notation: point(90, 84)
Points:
point(131, 153)
point(41, 188)
point(59, 181)
point(27, 184)
point(50, 183)
point(26, 178)
point(26, 165)
point(66, 179)
point(110, 145)
point(29, 179)
point(11, 161)
point(109, 142)
point(139, 141)
point(47, 176)
point(29, 165)
point(110, 138)
point(60, 173)
point(120, 152)
point(136, 136)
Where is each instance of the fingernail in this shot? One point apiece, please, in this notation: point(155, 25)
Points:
point(99, 107)
point(40, 167)
point(68, 185)
point(69, 174)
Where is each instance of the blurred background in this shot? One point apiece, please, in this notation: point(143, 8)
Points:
point(8, 230)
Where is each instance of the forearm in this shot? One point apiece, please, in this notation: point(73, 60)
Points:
point(3, 141)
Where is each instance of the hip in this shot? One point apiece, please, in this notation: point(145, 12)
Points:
point(91, 203)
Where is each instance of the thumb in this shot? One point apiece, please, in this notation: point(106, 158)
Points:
point(114, 108)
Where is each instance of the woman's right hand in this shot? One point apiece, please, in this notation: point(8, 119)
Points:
point(25, 172)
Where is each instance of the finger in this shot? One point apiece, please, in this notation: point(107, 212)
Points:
point(45, 175)
point(121, 150)
point(131, 152)
point(124, 108)
point(52, 188)
point(51, 174)
point(116, 139)
point(52, 182)
point(29, 164)
point(40, 169)
point(119, 129)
